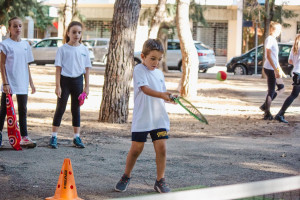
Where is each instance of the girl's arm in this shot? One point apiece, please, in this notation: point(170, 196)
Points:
point(87, 81)
point(57, 82)
point(31, 82)
point(276, 71)
point(153, 93)
point(290, 61)
point(6, 87)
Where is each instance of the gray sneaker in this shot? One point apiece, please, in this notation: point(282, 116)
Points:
point(27, 142)
point(53, 142)
point(161, 186)
point(78, 143)
point(122, 184)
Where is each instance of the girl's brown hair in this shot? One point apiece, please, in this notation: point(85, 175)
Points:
point(296, 44)
point(9, 22)
point(73, 23)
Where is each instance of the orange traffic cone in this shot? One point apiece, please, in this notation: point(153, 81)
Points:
point(66, 188)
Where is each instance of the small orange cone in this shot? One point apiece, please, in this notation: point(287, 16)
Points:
point(66, 188)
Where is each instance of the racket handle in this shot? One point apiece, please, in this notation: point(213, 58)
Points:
point(172, 97)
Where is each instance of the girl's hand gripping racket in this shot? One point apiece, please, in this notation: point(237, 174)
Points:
point(81, 98)
point(192, 110)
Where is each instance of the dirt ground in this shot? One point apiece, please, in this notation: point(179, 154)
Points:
point(236, 147)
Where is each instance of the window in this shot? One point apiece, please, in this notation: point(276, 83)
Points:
point(285, 51)
point(173, 46)
point(101, 43)
point(200, 46)
point(45, 43)
point(259, 52)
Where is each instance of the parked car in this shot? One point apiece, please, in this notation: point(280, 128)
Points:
point(100, 48)
point(31, 41)
point(44, 52)
point(206, 56)
point(245, 64)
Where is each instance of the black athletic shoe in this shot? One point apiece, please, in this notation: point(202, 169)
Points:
point(268, 116)
point(161, 186)
point(122, 184)
point(263, 107)
point(280, 118)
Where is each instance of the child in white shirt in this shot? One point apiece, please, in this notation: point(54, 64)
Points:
point(149, 114)
point(72, 63)
point(15, 57)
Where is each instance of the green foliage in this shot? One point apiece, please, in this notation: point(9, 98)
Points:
point(196, 12)
point(252, 10)
point(23, 8)
point(41, 15)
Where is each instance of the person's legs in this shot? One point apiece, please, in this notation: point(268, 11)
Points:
point(133, 154)
point(22, 110)
point(2, 114)
point(60, 110)
point(75, 91)
point(271, 81)
point(287, 103)
point(2, 111)
point(160, 148)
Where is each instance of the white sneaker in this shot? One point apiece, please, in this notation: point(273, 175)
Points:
point(27, 142)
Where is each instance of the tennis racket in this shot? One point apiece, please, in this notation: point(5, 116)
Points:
point(188, 106)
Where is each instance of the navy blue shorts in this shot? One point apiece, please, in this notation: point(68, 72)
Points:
point(156, 134)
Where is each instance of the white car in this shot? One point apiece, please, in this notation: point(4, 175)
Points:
point(100, 48)
point(44, 52)
point(206, 56)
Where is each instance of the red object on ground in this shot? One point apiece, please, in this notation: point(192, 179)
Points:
point(13, 130)
point(221, 75)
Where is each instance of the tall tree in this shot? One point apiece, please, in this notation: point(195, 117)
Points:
point(69, 12)
point(119, 67)
point(158, 17)
point(190, 60)
point(23, 8)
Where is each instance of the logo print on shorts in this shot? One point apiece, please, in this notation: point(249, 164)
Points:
point(162, 134)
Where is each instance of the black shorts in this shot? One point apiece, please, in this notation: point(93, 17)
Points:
point(156, 134)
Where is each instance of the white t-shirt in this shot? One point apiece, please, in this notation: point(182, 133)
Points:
point(73, 60)
point(296, 60)
point(149, 113)
point(271, 43)
point(18, 55)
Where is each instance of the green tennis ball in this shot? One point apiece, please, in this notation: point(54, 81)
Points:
point(221, 75)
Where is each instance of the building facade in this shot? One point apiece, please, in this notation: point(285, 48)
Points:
point(223, 33)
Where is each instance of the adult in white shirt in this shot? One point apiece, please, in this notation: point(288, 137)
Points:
point(16, 76)
point(271, 66)
point(72, 63)
point(294, 59)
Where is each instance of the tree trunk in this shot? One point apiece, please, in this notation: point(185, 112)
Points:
point(67, 13)
point(119, 67)
point(159, 16)
point(190, 60)
point(163, 36)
